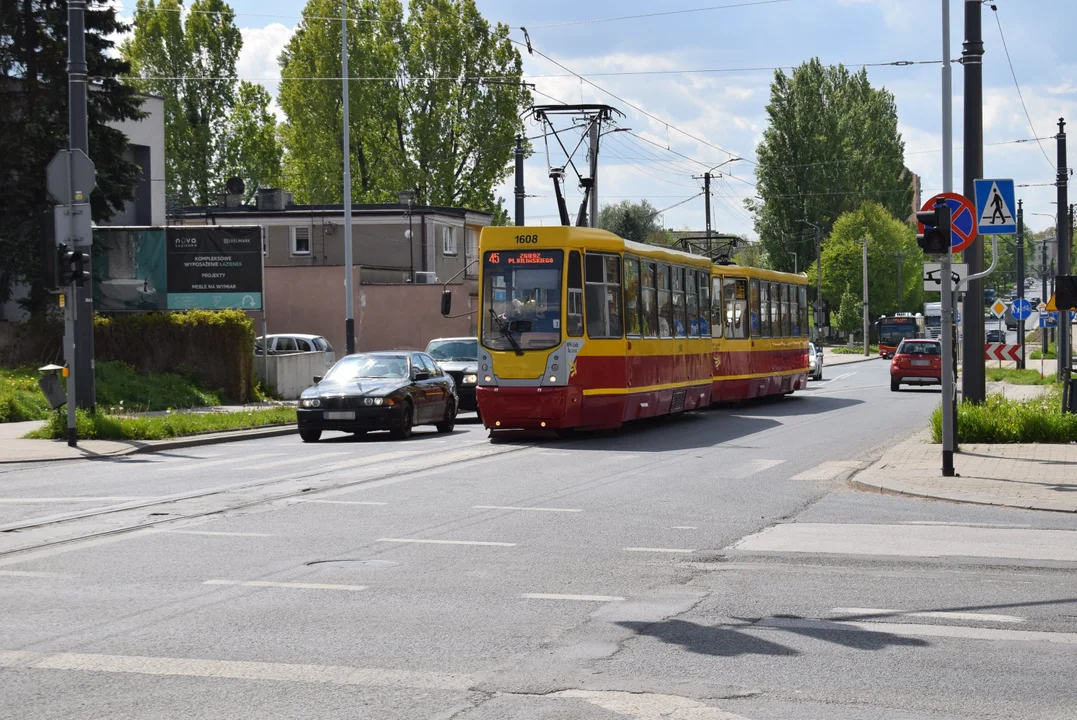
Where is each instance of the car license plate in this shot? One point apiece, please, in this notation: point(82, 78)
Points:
point(921, 363)
point(340, 415)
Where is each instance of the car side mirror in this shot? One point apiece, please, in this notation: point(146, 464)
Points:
point(420, 375)
point(446, 302)
point(317, 379)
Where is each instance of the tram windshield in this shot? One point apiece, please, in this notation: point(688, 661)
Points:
point(521, 299)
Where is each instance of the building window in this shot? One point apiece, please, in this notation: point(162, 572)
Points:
point(300, 241)
point(602, 294)
point(471, 253)
point(448, 240)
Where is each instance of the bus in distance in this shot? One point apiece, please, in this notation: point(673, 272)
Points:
point(894, 328)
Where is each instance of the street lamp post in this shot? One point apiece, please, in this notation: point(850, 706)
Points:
point(407, 197)
point(818, 271)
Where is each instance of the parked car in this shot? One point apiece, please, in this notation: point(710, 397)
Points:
point(815, 361)
point(459, 357)
point(1034, 301)
point(392, 391)
point(916, 362)
point(284, 344)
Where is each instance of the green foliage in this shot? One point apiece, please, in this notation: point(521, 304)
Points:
point(251, 149)
point(190, 60)
point(1001, 420)
point(1018, 377)
point(850, 313)
point(217, 346)
point(888, 238)
point(632, 221)
point(841, 350)
point(20, 397)
point(101, 426)
point(450, 139)
point(34, 126)
point(832, 144)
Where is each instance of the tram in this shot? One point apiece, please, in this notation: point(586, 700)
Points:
point(579, 328)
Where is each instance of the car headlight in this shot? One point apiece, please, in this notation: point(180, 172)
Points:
point(471, 379)
point(310, 402)
point(368, 401)
point(379, 401)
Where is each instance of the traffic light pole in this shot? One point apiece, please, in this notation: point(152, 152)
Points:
point(1021, 277)
point(70, 319)
point(1064, 241)
point(949, 389)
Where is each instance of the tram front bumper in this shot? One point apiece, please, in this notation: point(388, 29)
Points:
point(530, 408)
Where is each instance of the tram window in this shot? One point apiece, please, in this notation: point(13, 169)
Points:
point(787, 312)
point(776, 310)
point(603, 296)
point(680, 322)
point(575, 295)
point(704, 280)
point(794, 309)
point(764, 309)
point(650, 301)
point(691, 294)
point(632, 304)
point(735, 292)
point(718, 309)
point(665, 303)
point(756, 318)
point(804, 311)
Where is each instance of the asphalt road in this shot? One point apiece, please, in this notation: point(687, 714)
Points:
point(714, 566)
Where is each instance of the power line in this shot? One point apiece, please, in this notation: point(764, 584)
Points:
point(1018, 86)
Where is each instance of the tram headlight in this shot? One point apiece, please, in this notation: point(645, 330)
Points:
point(553, 378)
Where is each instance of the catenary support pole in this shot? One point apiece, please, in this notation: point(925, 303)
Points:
point(1021, 277)
point(593, 209)
point(973, 372)
point(707, 203)
point(519, 156)
point(349, 301)
point(867, 340)
point(1064, 241)
point(949, 391)
point(900, 287)
point(80, 298)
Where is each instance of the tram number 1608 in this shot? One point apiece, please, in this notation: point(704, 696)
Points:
point(526, 239)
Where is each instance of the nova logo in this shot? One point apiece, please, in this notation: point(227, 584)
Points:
point(186, 242)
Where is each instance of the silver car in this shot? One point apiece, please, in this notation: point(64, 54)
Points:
point(815, 362)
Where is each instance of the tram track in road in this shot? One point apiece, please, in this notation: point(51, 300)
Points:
point(173, 518)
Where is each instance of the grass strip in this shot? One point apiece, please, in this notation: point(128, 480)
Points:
point(1019, 377)
point(20, 397)
point(1002, 420)
point(101, 426)
point(857, 350)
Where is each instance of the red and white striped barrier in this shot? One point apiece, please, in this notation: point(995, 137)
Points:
point(1001, 351)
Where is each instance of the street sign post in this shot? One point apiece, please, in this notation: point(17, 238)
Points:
point(995, 207)
point(963, 227)
point(933, 275)
point(71, 177)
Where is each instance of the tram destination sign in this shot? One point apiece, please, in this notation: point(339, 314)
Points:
point(214, 268)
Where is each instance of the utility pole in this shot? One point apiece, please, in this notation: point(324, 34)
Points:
point(1063, 234)
point(707, 200)
point(973, 379)
point(866, 338)
point(349, 303)
point(81, 360)
point(593, 222)
point(900, 287)
point(519, 180)
point(949, 391)
point(1021, 276)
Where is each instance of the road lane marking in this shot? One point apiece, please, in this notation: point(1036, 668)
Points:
point(842, 376)
point(44, 500)
point(342, 502)
point(913, 630)
point(913, 541)
point(536, 509)
point(648, 706)
point(756, 466)
point(220, 533)
point(829, 470)
point(937, 614)
point(447, 542)
point(962, 524)
point(295, 585)
point(659, 550)
point(238, 670)
point(582, 598)
point(33, 574)
point(684, 527)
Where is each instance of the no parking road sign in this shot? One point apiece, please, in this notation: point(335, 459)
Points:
point(962, 219)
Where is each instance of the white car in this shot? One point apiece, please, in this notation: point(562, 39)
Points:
point(286, 343)
point(815, 362)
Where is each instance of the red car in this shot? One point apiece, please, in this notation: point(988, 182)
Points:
point(916, 362)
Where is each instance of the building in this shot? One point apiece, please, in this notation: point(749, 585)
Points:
point(401, 257)
point(146, 148)
point(917, 200)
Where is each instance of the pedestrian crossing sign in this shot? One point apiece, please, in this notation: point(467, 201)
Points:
point(995, 207)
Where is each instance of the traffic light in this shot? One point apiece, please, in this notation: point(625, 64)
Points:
point(70, 266)
point(935, 240)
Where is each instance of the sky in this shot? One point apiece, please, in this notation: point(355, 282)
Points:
point(683, 123)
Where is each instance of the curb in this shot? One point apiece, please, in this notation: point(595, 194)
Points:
point(176, 444)
point(956, 498)
point(859, 359)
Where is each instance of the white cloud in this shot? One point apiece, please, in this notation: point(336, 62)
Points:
point(258, 58)
point(897, 15)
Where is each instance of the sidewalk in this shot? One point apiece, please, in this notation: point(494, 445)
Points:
point(831, 358)
point(1034, 477)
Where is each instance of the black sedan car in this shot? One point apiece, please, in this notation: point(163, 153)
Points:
point(459, 357)
point(392, 391)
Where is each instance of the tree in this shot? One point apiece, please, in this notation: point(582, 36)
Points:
point(252, 150)
point(34, 126)
point(632, 221)
point(191, 64)
point(888, 238)
point(850, 313)
point(832, 144)
point(427, 116)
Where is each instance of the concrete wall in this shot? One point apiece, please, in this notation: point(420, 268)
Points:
point(147, 136)
point(387, 317)
point(290, 375)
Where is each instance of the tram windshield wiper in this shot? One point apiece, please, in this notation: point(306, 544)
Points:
point(507, 333)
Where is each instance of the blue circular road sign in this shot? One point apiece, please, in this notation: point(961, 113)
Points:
point(1021, 308)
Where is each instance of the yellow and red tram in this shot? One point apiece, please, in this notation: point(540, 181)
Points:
point(579, 328)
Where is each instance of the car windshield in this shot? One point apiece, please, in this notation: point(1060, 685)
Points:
point(918, 348)
point(369, 366)
point(450, 350)
point(521, 299)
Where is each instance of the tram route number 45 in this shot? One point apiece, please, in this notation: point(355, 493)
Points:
point(526, 239)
